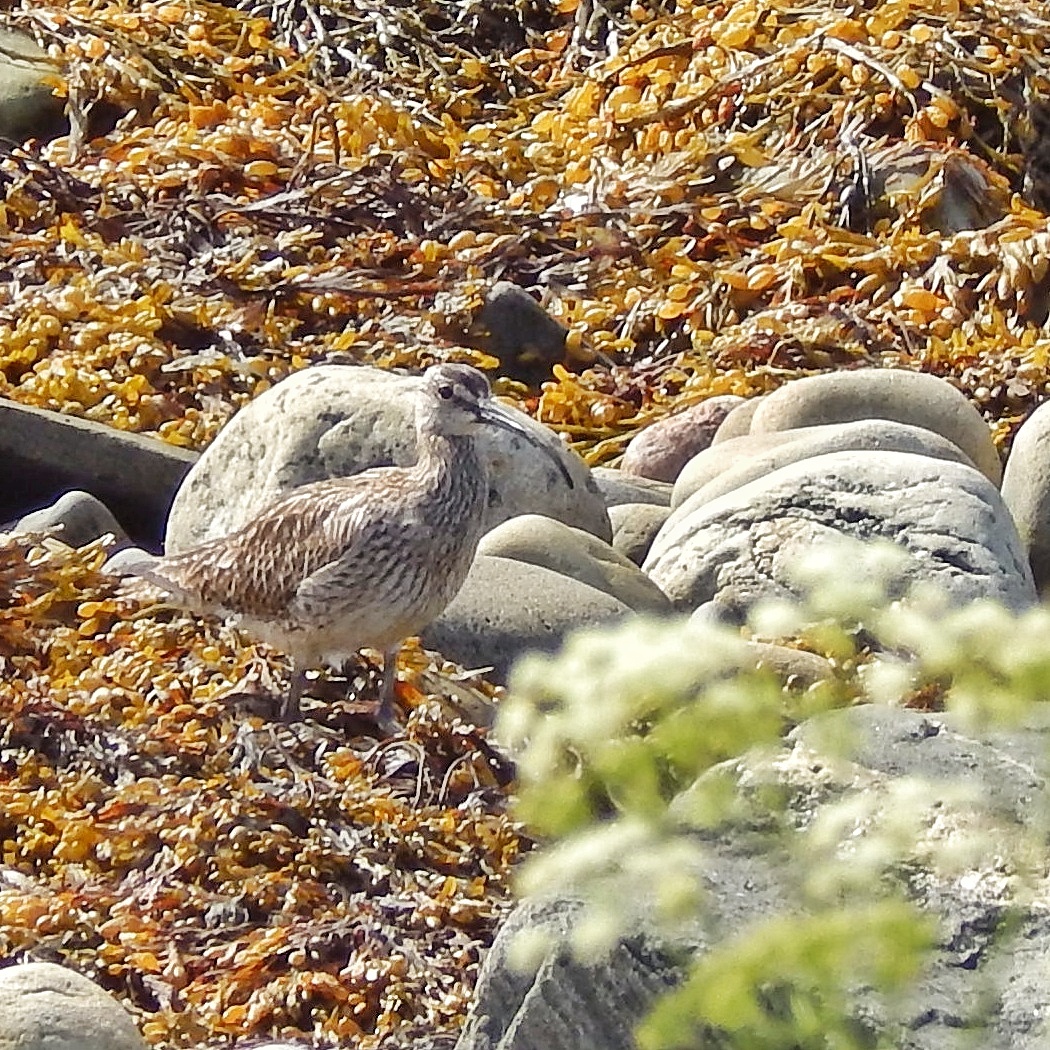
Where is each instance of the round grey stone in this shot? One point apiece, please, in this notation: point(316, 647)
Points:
point(617, 487)
point(724, 467)
point(741, 547)
point(482, 628)
point(336, 420)
point(48, 1007)
point(79, 519)
point(882, 393)
point(543, 541)
point(1026, 490)
point(635, 526)
point(663, 448)
point(29, 106)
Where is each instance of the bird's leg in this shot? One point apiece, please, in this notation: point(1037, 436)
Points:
point(387, 688)
point(290, 710)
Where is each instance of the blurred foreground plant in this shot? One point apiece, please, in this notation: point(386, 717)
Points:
point(638, 744)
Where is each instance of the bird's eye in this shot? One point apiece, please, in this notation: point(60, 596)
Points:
point(445, 391)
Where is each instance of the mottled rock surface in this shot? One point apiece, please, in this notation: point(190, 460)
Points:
point(984, 985)
point(49, 1007)
point(741, 547)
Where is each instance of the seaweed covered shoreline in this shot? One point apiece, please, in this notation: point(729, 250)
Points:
point(711, 198)
point(715, 198)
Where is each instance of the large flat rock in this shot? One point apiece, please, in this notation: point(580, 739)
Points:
point(45, 454)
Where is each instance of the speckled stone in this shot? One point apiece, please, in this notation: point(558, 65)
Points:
point(662, 449)
point(49, 1007)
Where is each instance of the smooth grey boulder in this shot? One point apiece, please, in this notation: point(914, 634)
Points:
point(882, 393)
point(635, 526)
point(663, 448)
point(737, 422)
point(336, 420)
point(49, 1007)
point(724, 467)
point(1026, 490)
point(617, 487)
point(741, 547)
point(553, 545)
point(507, 608)
point(78, 519)
point(984, 982)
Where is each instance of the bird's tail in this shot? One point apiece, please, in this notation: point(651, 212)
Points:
point(142, 575)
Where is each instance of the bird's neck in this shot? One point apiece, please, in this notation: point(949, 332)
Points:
point(451, 464)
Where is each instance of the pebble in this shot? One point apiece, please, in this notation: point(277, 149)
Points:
point(49, 1007)
point(78, 518)
point(882, 393)
point(336, 420)
point(663, 448)
point(617, 487)
point(737, 422)
point(542, 541)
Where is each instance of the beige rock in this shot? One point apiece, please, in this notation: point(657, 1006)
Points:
point(49, 1007)
point(733, 463)
point(552, 545)
point(635, 526)
point(915, 398)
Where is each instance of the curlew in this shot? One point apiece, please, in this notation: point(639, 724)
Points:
point(359, 562)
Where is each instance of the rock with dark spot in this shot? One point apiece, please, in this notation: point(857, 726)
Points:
point(635, 526)
point(337, 420)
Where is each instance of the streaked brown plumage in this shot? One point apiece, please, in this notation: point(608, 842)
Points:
point(366, 561)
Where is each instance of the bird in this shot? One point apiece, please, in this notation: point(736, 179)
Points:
point(365, 561)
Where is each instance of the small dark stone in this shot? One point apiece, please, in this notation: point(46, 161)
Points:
point(518, 331)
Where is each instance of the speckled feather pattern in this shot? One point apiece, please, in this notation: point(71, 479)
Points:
point(364, 561)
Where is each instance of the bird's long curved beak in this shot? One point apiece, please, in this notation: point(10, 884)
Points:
point(494, 413)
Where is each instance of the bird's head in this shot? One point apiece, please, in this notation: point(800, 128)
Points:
point(456, 400)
